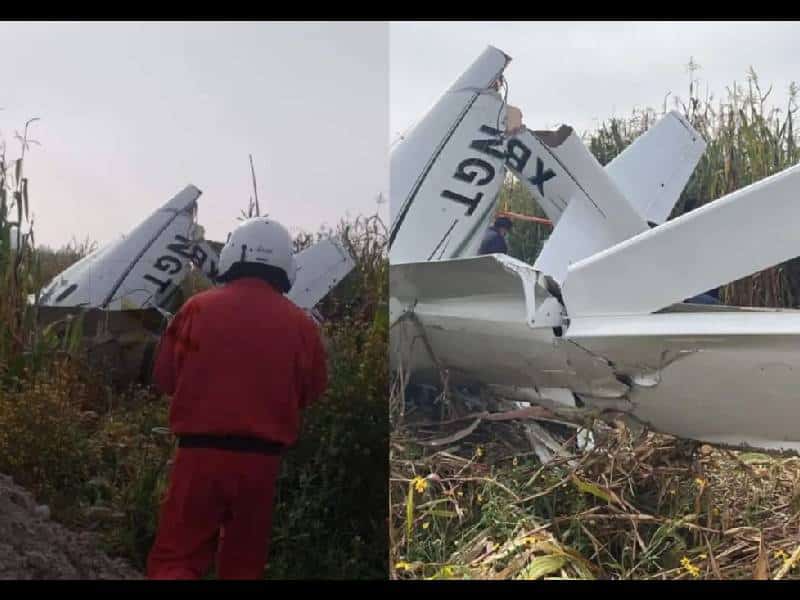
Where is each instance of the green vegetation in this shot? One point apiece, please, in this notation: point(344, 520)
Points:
point(99, 455)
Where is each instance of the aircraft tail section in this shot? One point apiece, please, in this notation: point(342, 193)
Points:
point(141, 270)
point(597, 215)
point(447, 172)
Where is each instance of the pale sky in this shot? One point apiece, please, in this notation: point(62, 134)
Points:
point(133, 112)
point(579, 73)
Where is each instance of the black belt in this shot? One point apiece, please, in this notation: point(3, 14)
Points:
point(233, 443)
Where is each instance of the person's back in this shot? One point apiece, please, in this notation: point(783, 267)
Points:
point(241, 360)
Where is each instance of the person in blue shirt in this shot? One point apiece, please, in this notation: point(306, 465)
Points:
point(494, 240)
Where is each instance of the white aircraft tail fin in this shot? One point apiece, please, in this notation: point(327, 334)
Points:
point(141, 270)
point(690, 254)
point(655, 168)
point(448, 170)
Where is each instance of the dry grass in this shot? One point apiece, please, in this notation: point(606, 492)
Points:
point(647, 507)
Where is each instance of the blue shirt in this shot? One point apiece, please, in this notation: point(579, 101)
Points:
point(493, 243)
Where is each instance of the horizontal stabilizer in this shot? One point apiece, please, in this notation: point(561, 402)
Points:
point(735, 236)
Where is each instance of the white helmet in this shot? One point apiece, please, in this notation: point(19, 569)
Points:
point(259, 241)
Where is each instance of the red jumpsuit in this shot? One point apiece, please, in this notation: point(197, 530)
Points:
point(239, 360)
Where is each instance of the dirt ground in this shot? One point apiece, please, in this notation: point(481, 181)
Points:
point(34, 547)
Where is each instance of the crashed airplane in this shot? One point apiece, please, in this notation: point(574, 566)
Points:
point(598, 323)
point(127, 289)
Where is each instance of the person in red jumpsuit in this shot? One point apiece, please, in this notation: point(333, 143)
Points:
point(241, 362)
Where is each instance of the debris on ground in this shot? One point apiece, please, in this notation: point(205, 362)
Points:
point(504, 500)
point(34, 547)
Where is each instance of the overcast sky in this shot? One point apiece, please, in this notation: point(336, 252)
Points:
point(581, 72)
point(133, 112)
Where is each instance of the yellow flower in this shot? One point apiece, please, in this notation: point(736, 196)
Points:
point(701, 483)
point(403, 566)
point(686, 563)
point(420, 484)
point(478, 451)
point(781, 554)
point(426, 525)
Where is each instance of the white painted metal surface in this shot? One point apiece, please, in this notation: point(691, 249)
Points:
point(721, 376)
point(726, 377)
point(651, 173)
point(446, 172)
point(319, 269)
point(597, 217)
point(655, 168)
point(140, 270)
point(744, 232)
point(477, 318)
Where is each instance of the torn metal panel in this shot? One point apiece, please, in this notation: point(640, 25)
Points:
point(447, 172)
point(690, 254)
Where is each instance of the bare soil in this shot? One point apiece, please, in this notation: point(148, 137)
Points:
point(32, 546)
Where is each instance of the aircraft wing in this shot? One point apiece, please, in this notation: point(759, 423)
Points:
point(141, 270)
point(726, 377)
